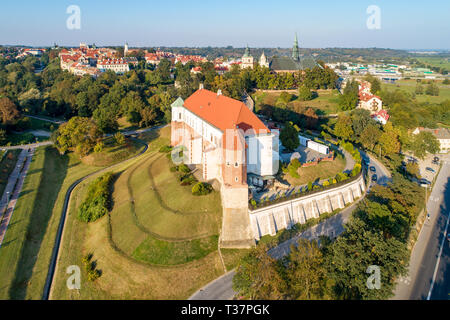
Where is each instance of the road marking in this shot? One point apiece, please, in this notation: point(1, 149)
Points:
point(439, 258)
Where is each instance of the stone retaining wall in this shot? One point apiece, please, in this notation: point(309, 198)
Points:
point(271, 219)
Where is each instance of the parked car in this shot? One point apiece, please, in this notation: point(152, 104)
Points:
point(374, 177)
point(424, 181)
point(436, 159)
point(372, 168)
point(430, 169)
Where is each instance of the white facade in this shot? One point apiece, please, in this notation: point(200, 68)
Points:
point(261, 155)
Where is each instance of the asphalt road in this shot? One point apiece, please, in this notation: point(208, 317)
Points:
point(221, 288)
point(428, 276)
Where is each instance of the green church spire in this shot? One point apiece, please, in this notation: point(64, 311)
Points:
point(247, 51)
point(295, 52)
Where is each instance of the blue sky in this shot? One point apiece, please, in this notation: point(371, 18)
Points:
point(323, 23)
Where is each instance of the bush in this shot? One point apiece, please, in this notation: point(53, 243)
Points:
point(99, 147)
point(93, 275)
point(120, 138)
point(183, 168)
point(310, 186)
point(97, 201)
point(187, 180)
point(326, 183)
point(356, 169)
point(253, 203)
point(203, 188)
point(165, 149)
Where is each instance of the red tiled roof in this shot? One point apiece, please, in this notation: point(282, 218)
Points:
point(223, 112)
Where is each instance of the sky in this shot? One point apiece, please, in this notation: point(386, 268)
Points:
point(413, 24)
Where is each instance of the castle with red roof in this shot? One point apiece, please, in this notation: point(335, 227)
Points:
point(223, 138)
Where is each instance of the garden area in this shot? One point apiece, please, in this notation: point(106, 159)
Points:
point(324, 102)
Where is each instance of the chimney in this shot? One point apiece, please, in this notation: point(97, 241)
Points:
point(200, 86)
point(219, 92)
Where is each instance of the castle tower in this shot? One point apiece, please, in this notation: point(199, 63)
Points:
point(295, 51)
point(247, 59)
point(263, 62)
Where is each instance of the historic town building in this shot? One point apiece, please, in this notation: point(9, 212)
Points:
point(228, 143)
point(293, 63)
point(263, 62)
point(367, 100)
point(247, 59)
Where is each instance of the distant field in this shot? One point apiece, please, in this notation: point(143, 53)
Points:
point(436, 62)
point(410, 87)
point(325, 103)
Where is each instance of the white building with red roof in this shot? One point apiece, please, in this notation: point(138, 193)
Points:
point(228, 143)
point(367, 100)
point(116, 65)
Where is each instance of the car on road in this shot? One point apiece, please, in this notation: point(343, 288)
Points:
point(430, 169)
point(372, 168)
point(425, 181)
point(366, 161)
point(448, 237)
point(374, 177)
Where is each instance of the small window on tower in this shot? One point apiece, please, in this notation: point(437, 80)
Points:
point(236, 179)
point(236, 164)
point(179, 116)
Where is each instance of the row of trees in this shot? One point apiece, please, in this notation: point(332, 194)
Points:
point(376, 235)
point(386, 140)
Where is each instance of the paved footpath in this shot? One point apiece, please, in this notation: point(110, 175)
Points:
point(14, 186)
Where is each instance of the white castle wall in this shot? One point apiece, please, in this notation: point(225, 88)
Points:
point(271, 219)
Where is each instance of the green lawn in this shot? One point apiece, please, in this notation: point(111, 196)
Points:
point(172, 253)
point(323, 170)
point(122, 250)
point(410, 87)
point(25, 257)
point(113, 153)
point(7, 166)
point(325, 103)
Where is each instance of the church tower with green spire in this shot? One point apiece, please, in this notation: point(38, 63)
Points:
point(247, 59)
point(295, 52)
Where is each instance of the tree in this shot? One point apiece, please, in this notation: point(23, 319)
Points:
point(375, 84)
point(370, 136)
point(311, 118)
point(2, 137)
point(419, 89)
point(148, 117)
point(389, 140)
point(343, 127)
point(349, 99)
point(422, 143)
point(354, 251)
point(119, 138)
point(289, 137)
point(304, 93)
point(432, 89)
point(78, 134)
point(8, 111)
point(305, 271)
point(258, 276)
point(360, 120)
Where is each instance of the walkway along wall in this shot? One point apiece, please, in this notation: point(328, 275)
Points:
point(271, 219)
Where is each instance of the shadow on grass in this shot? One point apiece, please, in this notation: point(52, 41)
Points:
point(54, 173)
